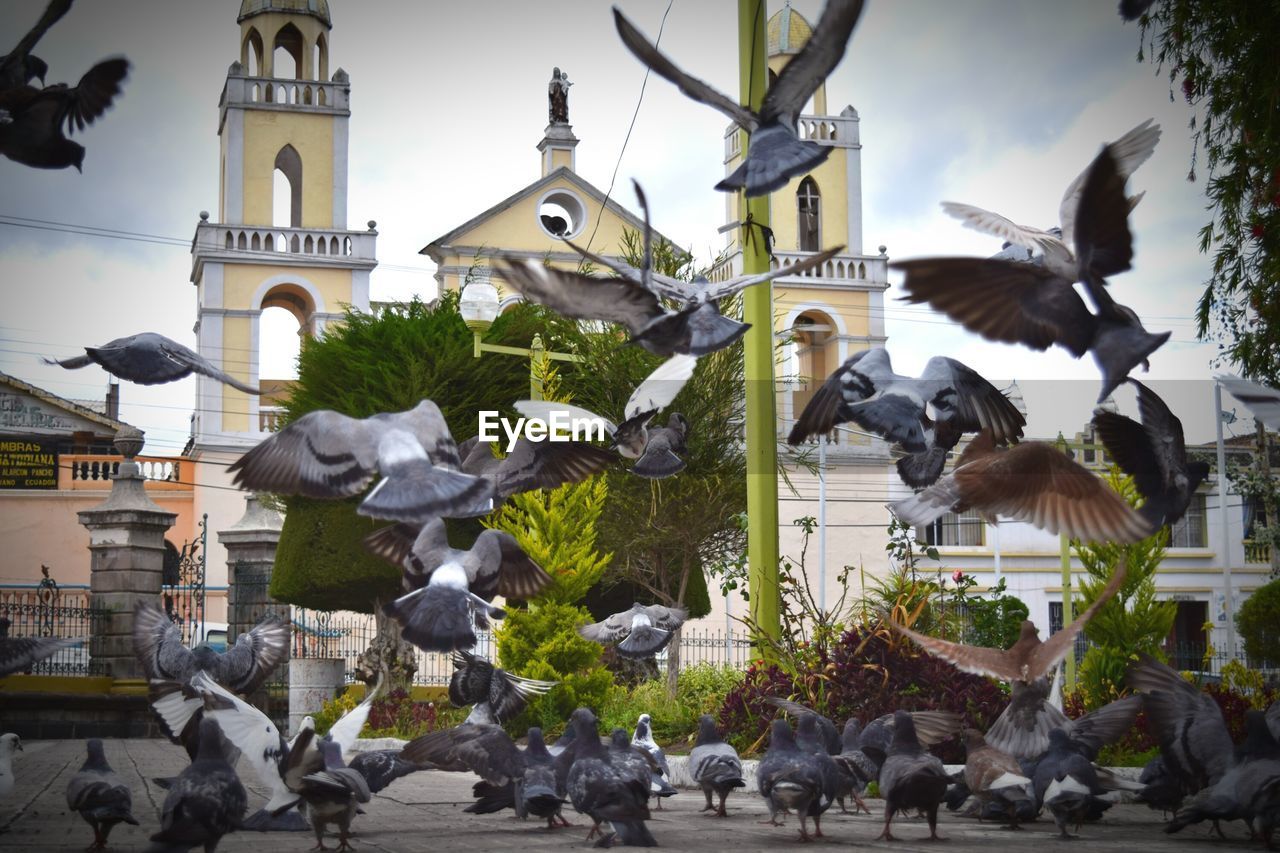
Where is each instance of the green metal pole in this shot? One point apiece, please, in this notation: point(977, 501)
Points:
point(762, 439)
point(1064, 552)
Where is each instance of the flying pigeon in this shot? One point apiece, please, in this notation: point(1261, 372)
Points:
point(325, 454)
point(775, 152)
point(605, 787)
point(714, 765)
point(381, 767)
point(1067, 783)
point(1036, 305)
point(333, 794)
point(858, 768)
point(643, 739)
point(243, 668)
point(495, 694)
point(790, 778)
point(18, 654)
point(1129, 152)
point(9, 743)
point(33, 132)
point(911, 778)
point(926, 416)
point(19, 67)
point(150, 359)
point(698, 328)
point(1263, 402)
point(1155, 455)
point(448, 591)
point(1022, 729)
point(1027, 659)
point(1033, 482)
point(100, 796)
point(531, 465)
point(640, 632)
point(995, 777)
point(205, 802)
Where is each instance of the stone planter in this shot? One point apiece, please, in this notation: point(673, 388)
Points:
point(312, 682)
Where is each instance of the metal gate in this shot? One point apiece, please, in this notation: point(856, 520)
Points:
point(184, 599)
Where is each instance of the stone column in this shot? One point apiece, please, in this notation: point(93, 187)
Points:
point(251, 554)
point(126, 547)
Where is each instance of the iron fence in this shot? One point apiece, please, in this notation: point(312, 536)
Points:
point(48, 610)
point(711, 646)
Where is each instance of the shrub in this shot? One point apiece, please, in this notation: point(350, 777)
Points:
point(394, 715)
point(1259, 624)
point(700, 689)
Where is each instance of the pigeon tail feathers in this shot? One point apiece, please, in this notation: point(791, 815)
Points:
point(435, 618)
point(922, 469)
point(657, 464)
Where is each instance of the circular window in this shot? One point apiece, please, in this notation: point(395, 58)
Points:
point(561, 214)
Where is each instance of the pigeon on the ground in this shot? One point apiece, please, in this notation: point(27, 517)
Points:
point(831, 740)
point(714, 765)
point(858, 768)
point(1067, 784)
point(100, 795)
point(1161, 790)
point(333, 794)
point(640, 761)
point(911, 778)
point(1034, 482)
point(33, 132)
point(926, 416)
point(381, 767)
point(242, 668)
point(18, 654)
point(205, 802)
point(1155, 455)
point(605, 789)
point(1033, 305)
point(1028, 658)
point(531, 465)
point(789, 778)
point(775, 152)
point(1022, 729)
point(931, 727)
point(495, 695)
point(19, 67)
point(448, 591)
point(1129, 152)
point(325, 454)
point(698, 327)
point(809, 739)
point(643, 739)
point(995, 777)
point(150, 359)
point(9, 744)
point(1263, 402)
point(640, 632)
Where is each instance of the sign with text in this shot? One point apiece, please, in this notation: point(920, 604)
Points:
point(28, 462)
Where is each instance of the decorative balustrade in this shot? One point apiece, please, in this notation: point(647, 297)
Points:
point(288, 93)
point(841, 130)
point(340, 244)
point(868, 269)
point(1257, 553)
point(95, 472)
point(269, 418)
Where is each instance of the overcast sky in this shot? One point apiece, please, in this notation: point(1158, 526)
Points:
point(998, 103)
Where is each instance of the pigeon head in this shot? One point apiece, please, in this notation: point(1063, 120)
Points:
point(203, 657)
point(97, 758)
point(807, 729)
point(643, 731)
point(213, 745)
point(584, 723)
point(707, 732)
point(780, 736)
point(904, 732)
point(331, 752)
point(678, 422)
point(537, 746)
point(1196, 473)
point(9, 743)
point(852, 731)
point(618, 739)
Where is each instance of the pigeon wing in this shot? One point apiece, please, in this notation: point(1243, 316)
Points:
point(1158, 420)
point(1005, 301)
point(193, 361)
point(1047, 655)
point(1130, 151)
point(691, 86)
point(52, 14)
point(93, 95)
point(822, 413)
point(347, 729)
point(582, 297)
point(251, 732)
point(139, 358)
point(323, 454)
point(1130, 446)
point(661, 386)
point(1105, 725)
point(998, 226)
point(394, 543)
point(518, 575)
point(254, 656)
point(608, 632)
point(802, 76)
point(1103, 241)
point(157, 642)
point(666, 618)
point(973, 403)
point(979, 660)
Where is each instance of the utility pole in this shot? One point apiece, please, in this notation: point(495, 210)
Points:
point(761, 425)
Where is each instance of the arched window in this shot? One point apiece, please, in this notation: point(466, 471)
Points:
point(251, 53)
point(288, 314)
point(286, 53)
point(808, 207)
point(286, 199)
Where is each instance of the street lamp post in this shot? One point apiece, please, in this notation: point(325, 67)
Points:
point(479, 307)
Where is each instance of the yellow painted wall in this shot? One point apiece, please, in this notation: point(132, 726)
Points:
point(851, 305)
point(561, 157)
point(265, 133)
point(832, 180)
point(241, 281)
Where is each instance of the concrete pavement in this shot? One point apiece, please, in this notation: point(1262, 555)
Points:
point(423, 812)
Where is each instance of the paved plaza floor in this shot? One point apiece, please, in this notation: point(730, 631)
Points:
point(423, 812)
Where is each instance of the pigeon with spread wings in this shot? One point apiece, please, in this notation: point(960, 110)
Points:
point(150, 359)
point(1033, 482)
point(33, 135)
point(243, 668)
point(495, 695)
point(325, 454)
point(18, 654)
point(775, 153)
point(448, 591)
point(1027, 659)
point(926, 416)
point(531, 465)
point(640, 632)
point(19, 67)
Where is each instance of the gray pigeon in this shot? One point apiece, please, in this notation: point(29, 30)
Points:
point(830, 735)
point(789, 778)
point(531, 465)
point(205, 802)
point(775, 153)
point(100, 796)
point(1263, 402)
point(495, 694)
point(640, 632)
point(911, 778)
point(1155, 455)
point(1067, 784)
point(857, 768)
point(809, 739)
point(664, 449)
point(714, 765)
point(19, 67)
point(150, 359)
point(606, 788)
point(381, 767)
point(448, 592)
point(640, 761)
point(32, 133)
point(18, 654)
point(866, 391)
point(333, 794)
point(643, 739)
point(242, 668)
point(325, 454)
point(1022, 729)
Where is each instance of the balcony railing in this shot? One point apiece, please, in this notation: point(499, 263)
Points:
point(844, 269)
point(290, 94)
point(841, 130)
point(338, 244)
point(269, 418)
point(78, 471)
point(1257, 553)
